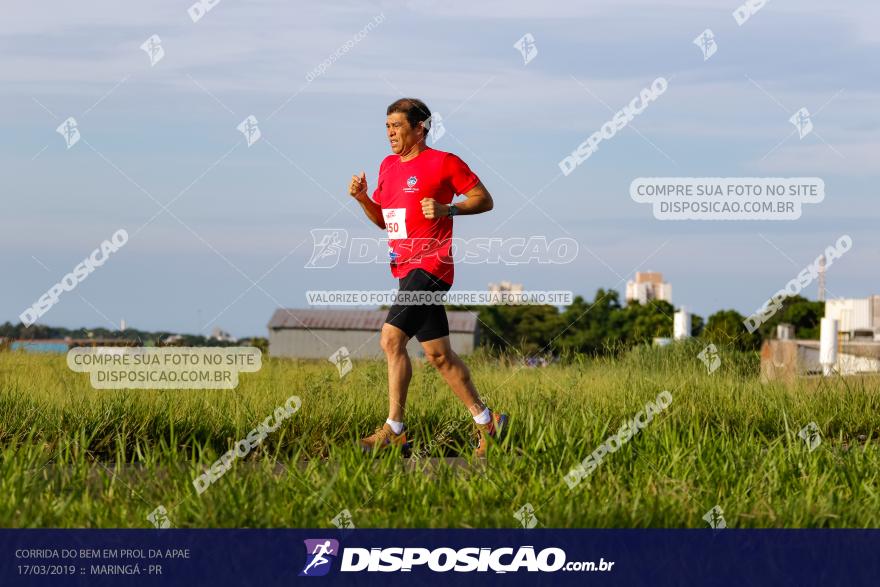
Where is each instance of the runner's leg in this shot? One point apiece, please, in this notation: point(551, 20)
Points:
point(402, 322)
point(393, 341)
point(453, 370)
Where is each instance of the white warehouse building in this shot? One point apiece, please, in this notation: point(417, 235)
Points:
point(317, 334)
point(855, 314)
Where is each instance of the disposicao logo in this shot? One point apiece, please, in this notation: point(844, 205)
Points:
point(320, 553)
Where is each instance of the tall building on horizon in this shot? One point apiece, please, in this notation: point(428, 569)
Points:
point(505, 286)
point(648, 286)
point(511, 291)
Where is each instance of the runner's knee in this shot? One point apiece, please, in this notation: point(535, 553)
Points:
point(438, 359)
point(391, 344)
point(444, 359)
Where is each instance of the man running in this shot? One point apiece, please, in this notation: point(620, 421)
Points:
point(319, 559)
point(413, 203)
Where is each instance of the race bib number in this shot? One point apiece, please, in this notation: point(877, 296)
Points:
point(395, 222)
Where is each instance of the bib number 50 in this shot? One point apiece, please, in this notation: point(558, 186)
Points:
point(395, 222)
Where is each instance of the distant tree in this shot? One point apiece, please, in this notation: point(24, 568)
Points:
point(805, 315)
point(139, 337)
point(522, 328)
point(697, 325)
point(257, 341)
point(642, 323)
point(726, 327)
point(587, 328)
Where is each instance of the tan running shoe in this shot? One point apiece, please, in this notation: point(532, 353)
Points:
point(385, 437)
point(488, 433)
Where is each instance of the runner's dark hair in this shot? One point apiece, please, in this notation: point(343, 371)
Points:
point(414, 109)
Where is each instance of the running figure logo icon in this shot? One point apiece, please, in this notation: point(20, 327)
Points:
point(250, 128)
point(70, 131)
point(527, 47)
point(317, 552)
point(327, 247)
point(715, 518)
point(153, 48)
point(706, 43)
point(801, 121)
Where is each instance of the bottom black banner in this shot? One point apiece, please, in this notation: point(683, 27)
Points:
point(389, 557)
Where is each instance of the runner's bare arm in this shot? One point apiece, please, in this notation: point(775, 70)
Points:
point(357, 189)
point(478, 200)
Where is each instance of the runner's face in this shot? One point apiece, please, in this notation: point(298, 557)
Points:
point(401, 135)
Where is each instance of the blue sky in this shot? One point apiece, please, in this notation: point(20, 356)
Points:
point(153, 134)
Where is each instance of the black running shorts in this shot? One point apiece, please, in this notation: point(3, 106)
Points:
point(425, 322)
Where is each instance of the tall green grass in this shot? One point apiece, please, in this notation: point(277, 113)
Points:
point(73, 456)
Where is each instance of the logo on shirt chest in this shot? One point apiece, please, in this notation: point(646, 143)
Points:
point(411, 185)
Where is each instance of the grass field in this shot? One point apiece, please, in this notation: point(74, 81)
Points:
point(73, 456)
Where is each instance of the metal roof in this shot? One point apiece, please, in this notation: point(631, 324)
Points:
point(868, 348)
point(355, 319)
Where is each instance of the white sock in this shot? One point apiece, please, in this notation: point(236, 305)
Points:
point(396, 427)
point(484, 418)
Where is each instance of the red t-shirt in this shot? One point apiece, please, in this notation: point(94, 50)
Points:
point(414, 242)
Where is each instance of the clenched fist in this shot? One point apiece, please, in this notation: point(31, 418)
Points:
point(358, 185)
point(431, 208)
